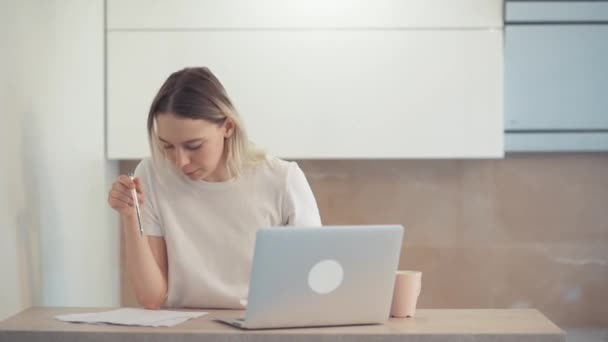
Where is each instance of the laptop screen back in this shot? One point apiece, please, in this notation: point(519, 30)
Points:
point(329, 275)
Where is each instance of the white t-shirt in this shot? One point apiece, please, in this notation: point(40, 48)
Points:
point(210, 228)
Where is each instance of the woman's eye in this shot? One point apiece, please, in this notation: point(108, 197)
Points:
point(167, 147)
point(194, 147)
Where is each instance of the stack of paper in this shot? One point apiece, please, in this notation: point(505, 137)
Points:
point(132, 316)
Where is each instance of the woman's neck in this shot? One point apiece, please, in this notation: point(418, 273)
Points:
point(220, 174)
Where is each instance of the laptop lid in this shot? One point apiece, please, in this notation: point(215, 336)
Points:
point(331, 275)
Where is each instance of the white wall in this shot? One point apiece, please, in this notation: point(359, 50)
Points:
point(58, 238)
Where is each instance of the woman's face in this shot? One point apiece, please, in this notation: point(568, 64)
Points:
point(194, 146)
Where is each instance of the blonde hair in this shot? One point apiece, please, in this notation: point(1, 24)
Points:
point(196, 93)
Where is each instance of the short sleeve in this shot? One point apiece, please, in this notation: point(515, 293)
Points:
point(299, 205)
point(150, 215)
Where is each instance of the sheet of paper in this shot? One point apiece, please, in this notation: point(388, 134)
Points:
point(133, 316)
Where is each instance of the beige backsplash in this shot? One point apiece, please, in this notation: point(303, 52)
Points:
point(524, 231)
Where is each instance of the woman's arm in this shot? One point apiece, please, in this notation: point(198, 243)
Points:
point(146, 259)
point(299, 204)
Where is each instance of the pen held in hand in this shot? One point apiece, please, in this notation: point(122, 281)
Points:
point(136, 204)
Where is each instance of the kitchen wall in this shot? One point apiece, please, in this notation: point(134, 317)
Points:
point(525, 231)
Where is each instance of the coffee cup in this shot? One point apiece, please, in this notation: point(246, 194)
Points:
point(405, 294)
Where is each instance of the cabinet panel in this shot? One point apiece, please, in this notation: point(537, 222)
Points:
point(232, 14)
point(557, 142)
point(326, 94)
point(556, 77)
point(556, 11)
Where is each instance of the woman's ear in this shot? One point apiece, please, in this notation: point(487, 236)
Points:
point(229, 128)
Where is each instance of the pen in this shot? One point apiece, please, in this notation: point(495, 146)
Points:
point(136, 203)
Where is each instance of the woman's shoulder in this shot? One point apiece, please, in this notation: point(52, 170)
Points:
point(274, 168)
point(144, 168)
point(148, 171)
point(277, 164)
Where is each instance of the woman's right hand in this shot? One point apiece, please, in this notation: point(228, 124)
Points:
point(120, 197)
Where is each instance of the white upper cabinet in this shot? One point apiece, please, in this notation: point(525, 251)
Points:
point(320, 79)
point(256, 14)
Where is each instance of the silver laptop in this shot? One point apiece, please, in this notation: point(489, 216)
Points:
point(331, 275)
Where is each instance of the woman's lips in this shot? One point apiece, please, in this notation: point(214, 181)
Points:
point(190, 174)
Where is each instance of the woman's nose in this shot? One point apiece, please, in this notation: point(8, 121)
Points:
point(181, 159)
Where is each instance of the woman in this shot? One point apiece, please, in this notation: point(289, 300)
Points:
point(203, 195)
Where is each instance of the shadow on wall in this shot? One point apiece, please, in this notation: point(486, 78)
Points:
point(29, 218)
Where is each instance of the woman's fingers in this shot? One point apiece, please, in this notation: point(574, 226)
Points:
point(120, 196)
point(138, 186)
point(126, 181)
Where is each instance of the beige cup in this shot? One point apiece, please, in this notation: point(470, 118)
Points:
point(406, 292)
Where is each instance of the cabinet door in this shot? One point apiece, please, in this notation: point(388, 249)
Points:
point(556, 77)
point(325, 93)
point(281, 14)
point(557, 11)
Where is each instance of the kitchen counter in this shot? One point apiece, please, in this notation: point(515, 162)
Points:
point(39, 324)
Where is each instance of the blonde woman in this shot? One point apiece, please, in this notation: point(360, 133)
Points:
point(203, 194)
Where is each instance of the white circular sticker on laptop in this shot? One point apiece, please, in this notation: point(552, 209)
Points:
point(325, 276)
